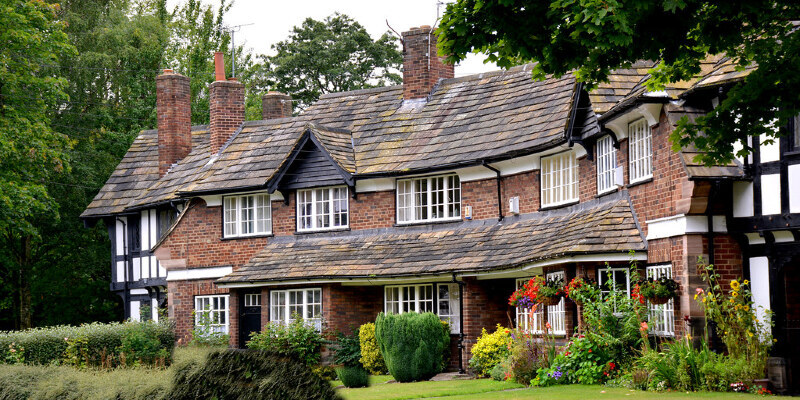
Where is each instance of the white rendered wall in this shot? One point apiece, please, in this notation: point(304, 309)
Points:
point(743, 199)
point(794, 188)
point(759, 284)
point(771, 194)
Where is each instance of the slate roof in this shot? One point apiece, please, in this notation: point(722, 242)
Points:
point(601, 226)
point(136, 172)
point(621, 82)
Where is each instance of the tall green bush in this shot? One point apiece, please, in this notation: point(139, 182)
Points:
point(297, 340)
point(412, 344)
point(371, 357)
point(92, 344)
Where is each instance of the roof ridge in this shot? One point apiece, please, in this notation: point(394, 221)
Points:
point(359, 91)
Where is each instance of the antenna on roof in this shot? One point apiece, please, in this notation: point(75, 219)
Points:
point(232, 30)
point(395, 32)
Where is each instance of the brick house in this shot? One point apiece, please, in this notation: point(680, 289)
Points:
point(442, 194)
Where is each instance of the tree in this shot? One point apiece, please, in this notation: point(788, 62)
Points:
point(31, 153)
point(594, 37)
point(333, 55)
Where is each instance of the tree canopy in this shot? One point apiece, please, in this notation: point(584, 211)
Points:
point(593, 37)
point(333, 55)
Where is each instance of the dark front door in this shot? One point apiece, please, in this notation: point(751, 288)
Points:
point(788, 323)
point(250, 315)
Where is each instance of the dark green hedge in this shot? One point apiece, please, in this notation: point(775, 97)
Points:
point(353, 377)
point(48, 345)
point(412, 344)
point(249, 374)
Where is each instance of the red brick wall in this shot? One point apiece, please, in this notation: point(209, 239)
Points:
point(526, 186)
point(180, 301)
point(173, 105)
point(226, 103)
point(284, 216)
point(372, 210)
point(347, 307)
point(482, 194)
point(485, 306)
point(276, 105)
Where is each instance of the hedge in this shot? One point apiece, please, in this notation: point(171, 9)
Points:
point(413, 345)
point(93, 344)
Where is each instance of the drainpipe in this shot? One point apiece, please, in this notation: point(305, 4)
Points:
point(499, 197)
point(460, 324)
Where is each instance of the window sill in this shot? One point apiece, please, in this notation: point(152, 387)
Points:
point(640, 182)
point(553, 207)
point(313, 231)
point(606, 193)
point(265, 235)
point(435, 222)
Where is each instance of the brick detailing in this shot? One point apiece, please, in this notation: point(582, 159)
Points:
point(180, 302)
point(276, 105)
point(372, 210)
point(422, 66)
point(226, 103)
point(173, 110)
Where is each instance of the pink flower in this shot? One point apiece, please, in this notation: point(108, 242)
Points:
point(547, 325)
point(644, 327)
point(699, 290)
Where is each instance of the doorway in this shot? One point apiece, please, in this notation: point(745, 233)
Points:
point(250, 315)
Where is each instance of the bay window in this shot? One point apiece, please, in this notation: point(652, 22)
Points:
point(322, 209)
point(640, 151)
point(429, 199)
point(286, 305)
point(606, 164)
point(559, 179)
point(247, 215)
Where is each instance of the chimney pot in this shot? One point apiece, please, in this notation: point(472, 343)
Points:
point(219, 66)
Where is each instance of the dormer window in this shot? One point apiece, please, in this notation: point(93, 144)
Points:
point(247, 215)
point(606, 164)
point(640, 151)
point(322, 209)
point(559, 179)
point(433, 198)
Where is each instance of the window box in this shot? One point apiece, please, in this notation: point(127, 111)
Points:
point(429, 199)
point(247, 215)
point(322, 209)
point(559, 179)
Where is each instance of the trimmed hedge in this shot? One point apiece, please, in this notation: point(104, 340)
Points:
point(249, 374)
point(353, 377)
point(93, 344)
point(412, 344)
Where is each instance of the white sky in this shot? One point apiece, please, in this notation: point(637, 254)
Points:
point(273, 20)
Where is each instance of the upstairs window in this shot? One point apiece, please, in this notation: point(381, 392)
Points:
point(640, 151)
point(559, 179)
point(247, 215)
point(322, 209)
point(434, 198)
point(166, 218)
point(606, 164)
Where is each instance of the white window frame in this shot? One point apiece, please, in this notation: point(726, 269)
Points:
point(310, 199)
point(640, 151)
point(530, 322)
point(559, 179)
point(234, 210)
point(556, 315)
point(410, 199)
point(453, 303)
point(602, 274)
point(413, 297)
point(200, 304)
point(252, 300)
point(662, 316)
point(606, 165)
point(282, 313)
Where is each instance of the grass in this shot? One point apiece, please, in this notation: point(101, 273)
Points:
point(492, 390)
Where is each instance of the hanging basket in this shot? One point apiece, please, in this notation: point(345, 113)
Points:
point(549, 300)
point(659, 300)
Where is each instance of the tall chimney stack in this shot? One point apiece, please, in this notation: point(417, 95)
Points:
point(422, 66)
point(276, 105)
point(226, 100)
point(174, 113)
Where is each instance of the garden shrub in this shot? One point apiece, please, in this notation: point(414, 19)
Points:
point(371, 357)
point(412, 344)
point(490, 350)
point(326, 372)
point(500, 372)
point(581, 361)
point(204, 333)
point(249, 374)
point(347, 350)
point(528, 354)
point(94, 344)
point(353, 376)
point(297, 340)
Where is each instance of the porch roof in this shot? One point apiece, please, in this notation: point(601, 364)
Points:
point(605, 226)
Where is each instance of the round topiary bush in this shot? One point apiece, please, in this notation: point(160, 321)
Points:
point(412, 344)
point(353, 377)
point(249, 374)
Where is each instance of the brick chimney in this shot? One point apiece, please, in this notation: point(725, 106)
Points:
point(422, 66)
point(174, 113)
point(276, 105)
point(226, 102)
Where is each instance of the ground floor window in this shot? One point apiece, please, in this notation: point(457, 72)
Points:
point(529, 319)
point(533, 321)
point(285, 305)
point(617, 279)
point(422, 298)
point(556, 315)
point(212, 311)
point(661, 316)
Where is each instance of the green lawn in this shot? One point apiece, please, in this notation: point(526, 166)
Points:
point(489, 389)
